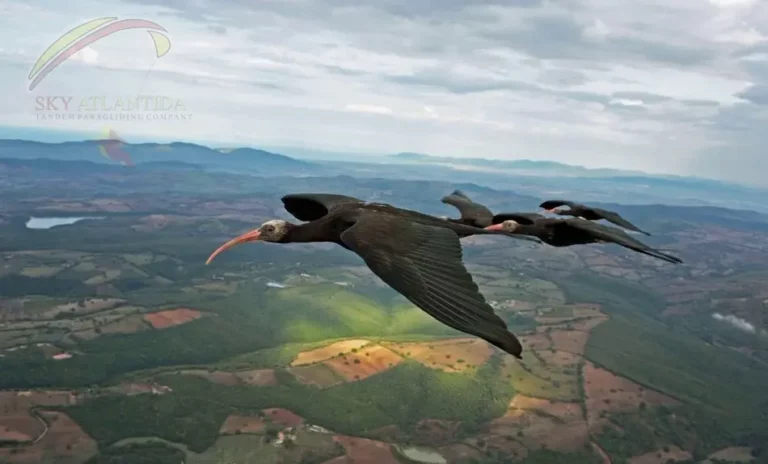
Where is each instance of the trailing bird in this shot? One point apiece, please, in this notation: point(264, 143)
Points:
point(589, 213)
point(418, 255)
point(567, 232)
point(472, 214)
point(554, 232)
point(477, 215)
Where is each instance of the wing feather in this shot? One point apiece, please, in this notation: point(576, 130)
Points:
point(424, 264)
point(313, 206)
point(619, 237)
point(551, 204)
point(616, 218)
point(471, 211)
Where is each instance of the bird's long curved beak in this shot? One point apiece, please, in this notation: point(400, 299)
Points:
point(495, 227)
point(251, 236)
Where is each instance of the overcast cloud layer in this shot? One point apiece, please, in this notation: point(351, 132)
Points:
point(663, 86)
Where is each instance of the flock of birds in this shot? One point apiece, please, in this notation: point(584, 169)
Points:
point(420, 255)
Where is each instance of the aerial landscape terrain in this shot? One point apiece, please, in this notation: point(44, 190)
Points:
point(458, 313)
point(119, 345)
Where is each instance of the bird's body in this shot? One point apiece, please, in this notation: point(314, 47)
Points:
point(567, 232)
point(478, 215)
point(417, 255)
point(472, 214)
point(589, 213)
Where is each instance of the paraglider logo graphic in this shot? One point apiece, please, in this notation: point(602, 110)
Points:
point(88, 33)
point(111, 147)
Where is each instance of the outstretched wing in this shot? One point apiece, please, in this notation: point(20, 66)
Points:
point(313, 206)
point(615, 218)
point(619, 237)
point(520, 218)
point(551, 204)
point(424, 264)
point(470, 211)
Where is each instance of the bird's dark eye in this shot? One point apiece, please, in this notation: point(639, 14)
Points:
point(270, 228)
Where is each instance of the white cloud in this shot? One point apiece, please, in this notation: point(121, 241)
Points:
point(749, 36)
point(368, 109)
point(732, 3)
point(735, 321)
point(87, 55)
point(598, 30)
point(627, 102)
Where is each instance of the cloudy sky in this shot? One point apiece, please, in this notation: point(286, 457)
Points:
point(657, 85)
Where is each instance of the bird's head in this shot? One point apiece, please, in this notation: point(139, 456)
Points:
point(271, 231)
point(507, 226)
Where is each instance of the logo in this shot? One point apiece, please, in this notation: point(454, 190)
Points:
point(125, 106)
point(88, 33)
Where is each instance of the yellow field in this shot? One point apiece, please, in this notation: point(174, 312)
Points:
point(327, 352)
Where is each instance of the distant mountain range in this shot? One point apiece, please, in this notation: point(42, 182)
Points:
point(100, 151)
point(534, 167)
point(530, 167)
point(542, 179)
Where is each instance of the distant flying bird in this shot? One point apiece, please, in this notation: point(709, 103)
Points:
point(477, 215)
point(589, 213)
point(472, 214)
point(567, 232)
point(418, 255)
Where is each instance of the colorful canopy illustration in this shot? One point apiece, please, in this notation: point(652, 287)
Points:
point(88, 33)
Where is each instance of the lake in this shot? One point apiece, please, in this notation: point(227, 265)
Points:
point(48, 222)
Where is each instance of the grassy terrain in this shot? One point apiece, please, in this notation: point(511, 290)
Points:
point(255, 318)
point(680, 366)
point(616, 295)
point(537, 379)
point(723, 391)
point(148, 453)
point(655, 428)
point(553, 457)
point(402, 396)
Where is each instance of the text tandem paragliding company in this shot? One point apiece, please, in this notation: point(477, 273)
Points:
point(141, 107)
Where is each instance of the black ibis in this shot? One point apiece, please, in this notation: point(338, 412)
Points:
point(567, 232)
point(418, 255)
point(589, 213)
point(474, 214)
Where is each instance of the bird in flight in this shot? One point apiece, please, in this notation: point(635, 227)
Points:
point(589, 213)
point(554, 232)
point(418, 255)
point(566, 232)
point(475, 214)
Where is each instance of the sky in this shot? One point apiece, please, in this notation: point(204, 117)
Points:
point(677, 87)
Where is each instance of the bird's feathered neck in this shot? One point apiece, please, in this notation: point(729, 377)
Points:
point(312, 231)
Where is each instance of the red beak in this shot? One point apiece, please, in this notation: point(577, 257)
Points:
point(553, 210)
point(495, 227)
point(251, 236)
